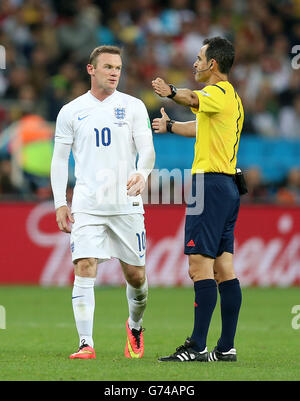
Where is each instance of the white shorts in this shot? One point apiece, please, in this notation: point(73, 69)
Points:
point(105, 237)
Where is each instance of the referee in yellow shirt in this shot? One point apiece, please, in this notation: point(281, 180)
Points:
point(209, 236)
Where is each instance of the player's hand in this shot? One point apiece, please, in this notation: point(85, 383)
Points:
point(161, 88)
point(159, 125)
point(64, 218)
point(135, 185)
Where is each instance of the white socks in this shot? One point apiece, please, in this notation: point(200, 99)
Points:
point(137, 300)
point(83, 300)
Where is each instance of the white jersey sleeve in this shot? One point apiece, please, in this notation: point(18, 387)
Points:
point(141, 122)
point(64, 129)
point(142, 135)
point(59, 173)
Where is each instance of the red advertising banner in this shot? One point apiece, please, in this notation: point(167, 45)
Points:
point(34, 251)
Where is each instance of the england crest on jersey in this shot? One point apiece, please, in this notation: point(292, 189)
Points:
point(120, 113)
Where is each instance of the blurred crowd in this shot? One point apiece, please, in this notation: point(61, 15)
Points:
point(46, 44)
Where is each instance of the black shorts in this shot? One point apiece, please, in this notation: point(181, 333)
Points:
point(211, 232)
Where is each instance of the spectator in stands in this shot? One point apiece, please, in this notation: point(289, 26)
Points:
point(289, 119)
point(257, 189)
point(31, 151)
point(7, 188)
point(77, 36)
point(18, 77)
point(263, 118)
point(47, 42)
point(286, 98)
point(289, 194)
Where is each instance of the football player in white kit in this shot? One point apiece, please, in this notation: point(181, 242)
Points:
point(106, 130)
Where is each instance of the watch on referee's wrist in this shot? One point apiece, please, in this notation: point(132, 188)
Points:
point(169, 124)
point(173, 91)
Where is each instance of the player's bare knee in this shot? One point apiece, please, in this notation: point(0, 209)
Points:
point(136, 281)
point(136, 278)
point(134, 275)
point(86, 267)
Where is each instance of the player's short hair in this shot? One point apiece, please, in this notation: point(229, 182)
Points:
point(103, 49)
point(222, 51)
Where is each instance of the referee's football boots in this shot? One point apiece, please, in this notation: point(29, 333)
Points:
point(218, 356)
point(186, 353)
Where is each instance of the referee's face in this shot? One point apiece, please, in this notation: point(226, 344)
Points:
point(106, 74)
point(201, 66)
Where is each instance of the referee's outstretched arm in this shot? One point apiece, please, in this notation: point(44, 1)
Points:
point(185, 97)
point(187, 128)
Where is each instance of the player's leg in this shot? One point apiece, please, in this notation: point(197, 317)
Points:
point(231, 299)
point(137, 293)
point(89, 244)
point(128, 243)
point(83, 298)
point(83, 301)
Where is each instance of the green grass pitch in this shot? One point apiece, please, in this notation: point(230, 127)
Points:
point(40, 334)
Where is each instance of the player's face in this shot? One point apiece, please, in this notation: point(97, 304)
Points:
point(201, 66)
point(107, 72)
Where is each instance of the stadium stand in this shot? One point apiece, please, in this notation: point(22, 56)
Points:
point(47, 43)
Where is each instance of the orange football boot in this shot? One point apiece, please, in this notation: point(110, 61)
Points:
point(84, 352)
point(134, 348)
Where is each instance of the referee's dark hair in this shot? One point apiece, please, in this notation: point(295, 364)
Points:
point(222, 51)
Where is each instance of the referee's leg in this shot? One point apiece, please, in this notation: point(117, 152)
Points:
point(223, 267)
point(202, 273)
point(231, 299)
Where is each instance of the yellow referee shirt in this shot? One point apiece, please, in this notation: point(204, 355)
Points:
point(220, 120)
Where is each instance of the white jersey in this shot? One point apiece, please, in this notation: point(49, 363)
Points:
point(102, 135)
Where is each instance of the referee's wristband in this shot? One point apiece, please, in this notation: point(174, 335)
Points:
point(169, 124)
point(173, 91)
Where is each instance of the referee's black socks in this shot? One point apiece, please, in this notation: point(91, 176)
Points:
point(205, 301)
point(231, 299)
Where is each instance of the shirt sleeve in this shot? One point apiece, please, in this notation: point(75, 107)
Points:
point(211, 99)
point(64, 128)
point(141, 122)
point(59, 173)
point(145, 149)
point(143, 139)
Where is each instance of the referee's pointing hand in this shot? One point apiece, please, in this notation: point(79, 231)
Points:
point(161, 88)
point(159, 125)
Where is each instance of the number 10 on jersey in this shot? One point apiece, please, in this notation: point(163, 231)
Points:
point(104, 137)
point(141, 238)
